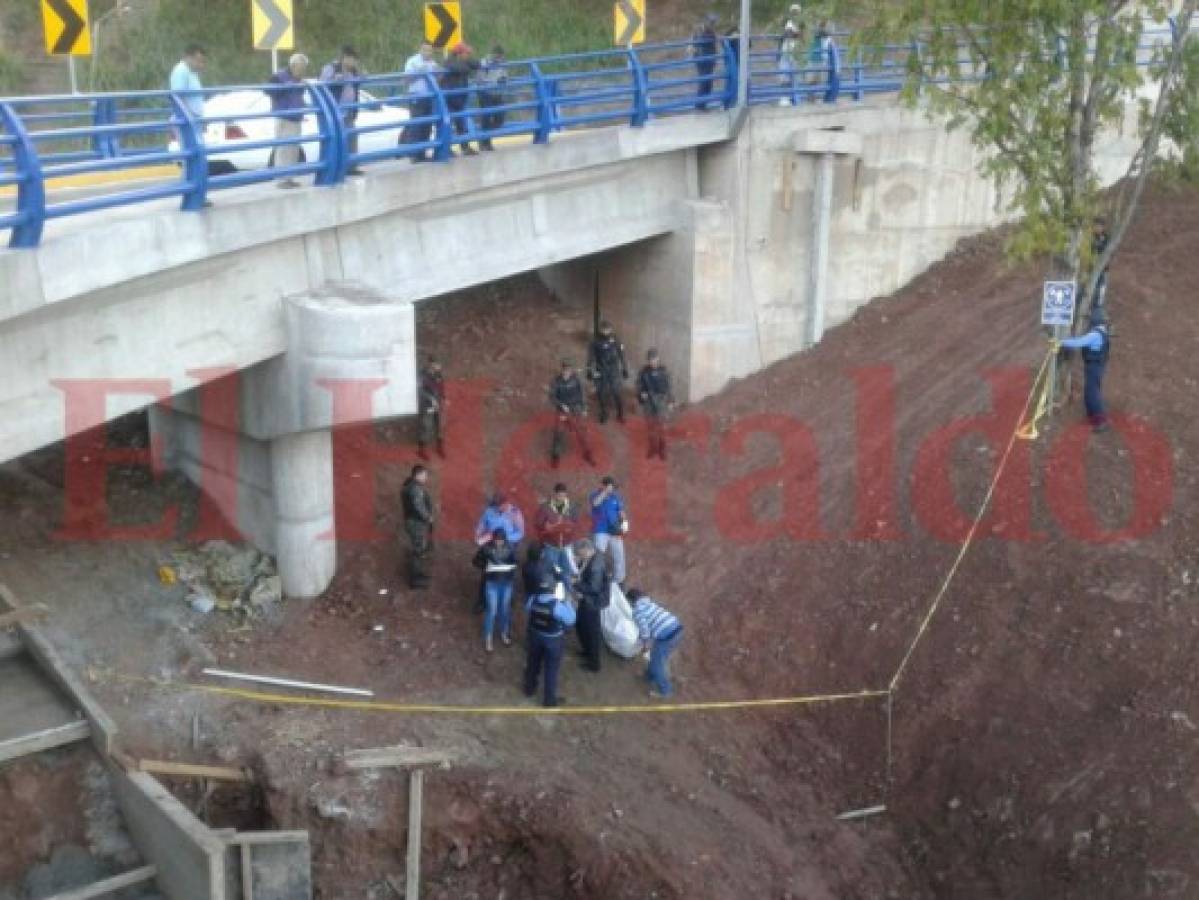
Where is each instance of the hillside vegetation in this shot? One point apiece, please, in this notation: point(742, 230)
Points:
point(137, 49)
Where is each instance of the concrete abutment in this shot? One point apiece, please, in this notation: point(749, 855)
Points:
point(261, 445)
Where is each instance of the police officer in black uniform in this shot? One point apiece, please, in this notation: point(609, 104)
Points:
point(607, 368)
point(431, 404)
point(418, 525)
point(570, 404)
point(657, 400)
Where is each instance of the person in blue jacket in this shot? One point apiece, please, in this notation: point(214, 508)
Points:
point(548, 618)
point(608, 525)
point(1095, 347)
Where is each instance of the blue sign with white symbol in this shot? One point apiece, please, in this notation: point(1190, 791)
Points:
point(1057, 303)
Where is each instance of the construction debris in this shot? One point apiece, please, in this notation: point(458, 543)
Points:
point(188, 770)
point(287, 682)
point(220, 575)
point(395, 757)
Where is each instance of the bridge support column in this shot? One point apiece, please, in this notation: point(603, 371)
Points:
point(272, 475)
point(823, 146)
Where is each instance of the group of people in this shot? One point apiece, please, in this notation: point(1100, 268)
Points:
point(460, 75)
point(567, 578)
point(607, 369)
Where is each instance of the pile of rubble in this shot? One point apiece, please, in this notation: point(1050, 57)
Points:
point(220, 575)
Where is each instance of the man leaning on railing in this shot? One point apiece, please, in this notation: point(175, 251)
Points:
point(343, 77)
point(287, 102)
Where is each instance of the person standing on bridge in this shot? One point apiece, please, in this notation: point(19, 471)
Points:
point(343, 77)
point(431, 405)
point(492, 79)
point(607, 368)
point(185, 81)
point(657, 400)
point(459, 68)
point(704, 50)
point(287, 103)
point(1095, 346)
point(421, 69)
point(570, 405)
point(418, 525)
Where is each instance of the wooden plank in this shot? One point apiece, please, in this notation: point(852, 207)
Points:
point(109, 885)
point(23, 615)
point(384, 757)
point(188, 770)
point(416, 791)
point(247, 873)
point(46, 739)
point(259, 838)
point(104, 729)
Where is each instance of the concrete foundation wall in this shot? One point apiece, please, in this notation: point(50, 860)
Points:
point(189, 857)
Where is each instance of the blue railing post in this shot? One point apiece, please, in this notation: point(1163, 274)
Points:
point(104, 112)
point(31, 194)
point(545, 110)
point(444, 150)
point(333, 141)
point(731, 75)
point(195, 165)
point(640, 89)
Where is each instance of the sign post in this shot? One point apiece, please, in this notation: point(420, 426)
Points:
point(443, 23)
point(65, 24)
point(628, 22)
point(1057, 312)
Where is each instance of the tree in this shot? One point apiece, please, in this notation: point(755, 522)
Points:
point(1039, 82)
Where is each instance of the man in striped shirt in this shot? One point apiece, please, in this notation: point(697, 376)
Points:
point(660, 632)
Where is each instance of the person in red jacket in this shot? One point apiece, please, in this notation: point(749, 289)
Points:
point(557, 525)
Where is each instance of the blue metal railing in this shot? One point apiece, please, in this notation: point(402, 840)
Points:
point(380, 118)
point(349, 125)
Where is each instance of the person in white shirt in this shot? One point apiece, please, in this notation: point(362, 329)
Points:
point(422, 69)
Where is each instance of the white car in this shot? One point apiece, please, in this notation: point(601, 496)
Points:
point(222, 138)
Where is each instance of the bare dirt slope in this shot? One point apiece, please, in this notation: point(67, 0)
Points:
point(1045, 731)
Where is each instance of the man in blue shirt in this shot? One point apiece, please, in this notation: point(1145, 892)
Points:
point(660, 632)
point(343, 77)
point(548, 618)
point(1095, 346)
point(609, 524)
point(185, 79)
point(287, 102)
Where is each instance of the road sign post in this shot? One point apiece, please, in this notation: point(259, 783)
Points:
point(443, 23)
point(628, 18)
point(1057, 312)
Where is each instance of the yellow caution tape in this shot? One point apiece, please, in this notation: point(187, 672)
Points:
point(440, 709)
point(972, 533)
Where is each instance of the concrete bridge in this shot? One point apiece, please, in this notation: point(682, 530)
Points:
point(728, 242)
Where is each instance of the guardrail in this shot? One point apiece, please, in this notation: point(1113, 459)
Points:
point(226, 137)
